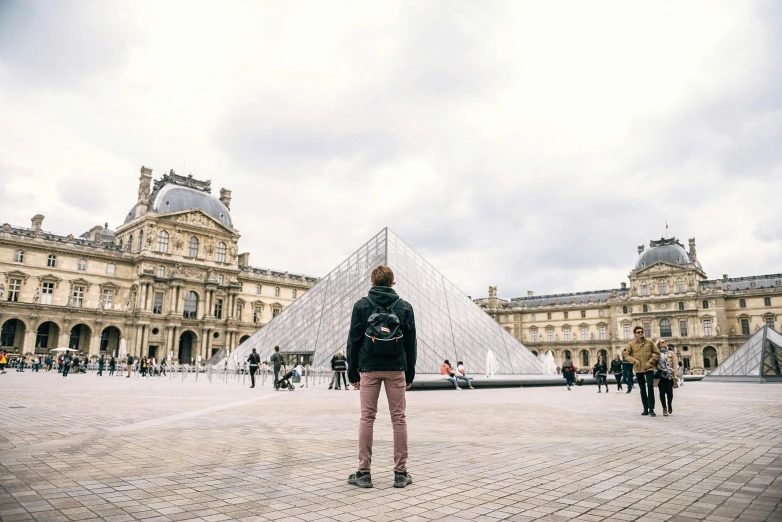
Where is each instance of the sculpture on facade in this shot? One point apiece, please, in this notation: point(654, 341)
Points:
point(2, 290)
point(36, 295)
point(492, 291)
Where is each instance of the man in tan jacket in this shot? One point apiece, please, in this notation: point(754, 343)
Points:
point(644, 355)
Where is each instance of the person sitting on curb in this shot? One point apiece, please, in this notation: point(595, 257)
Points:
point(460, 374)
point(448, 374)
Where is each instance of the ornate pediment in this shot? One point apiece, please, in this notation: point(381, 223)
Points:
point(16, 274)
point(196, 218)
point(49, 278)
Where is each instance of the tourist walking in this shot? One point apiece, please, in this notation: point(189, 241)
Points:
point(600, 371)
point(644, 355)
point(665, 378)
point(255, 360)
point(66, 364)
point(20, 363)
point(112, 365)
point(130, 365)
point(568, 371)
point(278, 362)
point(339, 365)
point(75, 363)
point(616, 369)
point(680, 372)
point(461, 375)
point(382, 350)
point(3, 360)
point(627, 371)
point(448, 374)
point(143, 366)
point(101, 364)
point(163, 366)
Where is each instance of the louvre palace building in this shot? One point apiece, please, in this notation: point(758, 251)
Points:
point(169, 282)
point(668, 294)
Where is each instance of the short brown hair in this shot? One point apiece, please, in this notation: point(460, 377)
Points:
point(638, 328)
point(382, 276)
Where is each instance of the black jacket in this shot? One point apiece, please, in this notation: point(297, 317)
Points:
point(339, 364)
point(616, 366)
point(600, 369)
point(360, 360)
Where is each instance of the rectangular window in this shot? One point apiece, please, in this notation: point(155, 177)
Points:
point(110, 269)
point(565, 315)
point(258, 289)
point(683, 328)
point(550, 335)
point(51, 261)
point(219, 279)
point(601, 313)
point(602, 332)
point(77, 296)
point(744, 326)
point(548, 315)
point(665, 328)
point(46, 293)
point(567, 333)
point(157, 303)
point(534, 334)
point(626, 331)
point(276, 291)
point(14, 288)
point(108, 295)
point(584, 331)
point(583, 314)
point(161, 271)
point(82, 265)
point(770, 322)
point(767, 301)
point(219, 308)
point(648, 330)
point(275, 312)
point(19, 256)
point(256, 314)
point(662, 287)
point(707, 327)
point(294, 293)
point(644, 289)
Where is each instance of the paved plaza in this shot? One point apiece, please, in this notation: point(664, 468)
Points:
point(117, 449)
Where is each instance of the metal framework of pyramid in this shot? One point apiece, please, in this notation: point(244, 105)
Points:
point(757, 360)
point(448, 324)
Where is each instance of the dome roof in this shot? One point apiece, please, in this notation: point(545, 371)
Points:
point(176, 198)
point(107, 235)
point(666, 251)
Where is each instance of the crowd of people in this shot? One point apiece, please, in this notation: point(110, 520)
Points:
point(652, 365)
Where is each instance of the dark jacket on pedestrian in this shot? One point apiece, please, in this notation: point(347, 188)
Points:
point(359, 358)
point(339, 364)
point(616, 366)
point(599, 369)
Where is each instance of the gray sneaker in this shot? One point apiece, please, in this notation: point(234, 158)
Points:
point(362, 480)
point(402, 479)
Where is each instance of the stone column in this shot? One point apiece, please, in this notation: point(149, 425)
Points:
point(65, 338)
point(147, 304)
point(144, 340)
point(94, 347)
point(208, 349)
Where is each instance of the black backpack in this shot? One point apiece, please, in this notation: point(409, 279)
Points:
point(384, 332)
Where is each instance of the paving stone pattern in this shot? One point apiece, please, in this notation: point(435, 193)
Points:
point(116, 449)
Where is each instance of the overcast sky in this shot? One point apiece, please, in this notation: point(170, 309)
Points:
point(528, 145)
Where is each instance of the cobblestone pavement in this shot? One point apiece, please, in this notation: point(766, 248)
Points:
point(116, 449)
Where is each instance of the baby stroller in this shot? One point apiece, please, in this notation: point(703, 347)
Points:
point(286, 381)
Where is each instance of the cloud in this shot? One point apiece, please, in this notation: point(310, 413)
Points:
point(531, 146)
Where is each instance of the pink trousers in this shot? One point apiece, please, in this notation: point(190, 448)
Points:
point(395, 392)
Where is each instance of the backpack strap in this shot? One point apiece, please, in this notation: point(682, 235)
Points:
point(376, 306)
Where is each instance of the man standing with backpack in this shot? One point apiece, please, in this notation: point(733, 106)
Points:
point(278, 362)
point(255, 360)
point(382, 350)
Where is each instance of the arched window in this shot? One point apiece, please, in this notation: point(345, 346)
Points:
point(82, 265)
point(680, 285)
point(19, 256)
point(192, 247)
point(130, 242)
point(681, 305)
point(662, 287)
point(705, 304)
point(665, 328)
point(624, 309)
point(742, 303)
point(709, 357)
point(535, 353)
point(221, 252)
point(646, 308)
point(644, 288)
point(567, 355)
point(191, 305)
point(162, 241)
point(584, 358)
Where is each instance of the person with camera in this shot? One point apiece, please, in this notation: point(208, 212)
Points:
point(665, 378)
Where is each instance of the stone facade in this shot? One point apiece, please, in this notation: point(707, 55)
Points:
point(170, 283)
point(669, 295)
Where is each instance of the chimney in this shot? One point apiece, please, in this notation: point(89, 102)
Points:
point(640, 249)
point(225, 198)
point(530, 293)
point(624, 286)
point(37, 221)
point(693, 254)
point(244, 259)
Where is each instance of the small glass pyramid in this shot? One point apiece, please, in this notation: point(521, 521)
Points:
point(449, 325)
point(757, 360)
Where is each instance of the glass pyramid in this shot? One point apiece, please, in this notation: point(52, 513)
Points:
point(757, 360)
point(449, 325)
